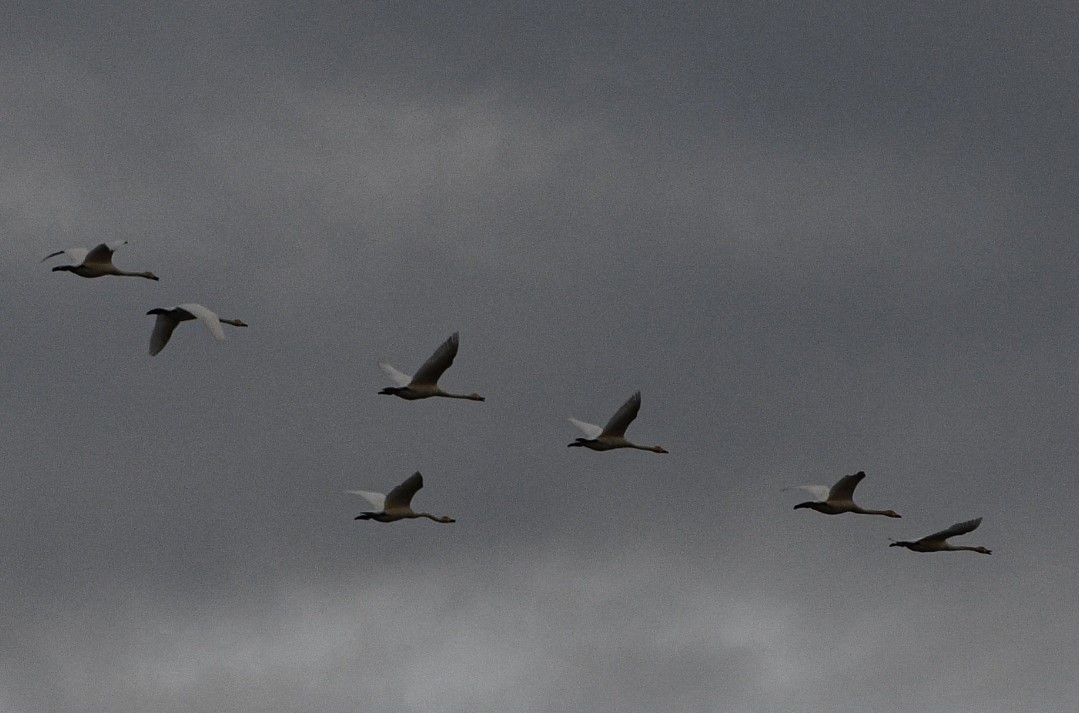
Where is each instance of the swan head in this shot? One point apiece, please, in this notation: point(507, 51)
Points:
point(444, 518)
point(388, 391)
point(149, 276)
point(983, 550)
point(891, 513)
point(476, 397)
point(658, 449)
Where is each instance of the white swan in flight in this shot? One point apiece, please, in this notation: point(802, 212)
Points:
point(168, 319)
point(938, 541)
point(839, 498)
point(96, 262)
point(425, 383)
point(398, 504)
point(613, 435)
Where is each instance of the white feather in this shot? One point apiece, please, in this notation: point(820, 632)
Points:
point(590, 430)
point(209, 318)
point(398, 377)
point(820, 492)
point(377, 500)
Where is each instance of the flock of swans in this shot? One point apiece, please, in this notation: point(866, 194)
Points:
point(840, 499)
point(397, 505)
point(98, 263)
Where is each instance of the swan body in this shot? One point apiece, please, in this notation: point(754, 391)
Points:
point(839, 498)
point(613, 435)
point(938, 541)
point(96, 262)
point(425, 383)
point(168, 319)
point(398, 504)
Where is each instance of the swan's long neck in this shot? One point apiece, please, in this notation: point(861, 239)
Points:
point(470, 397)
point(654, 449)
point(965, 548)
point(435, 518)
point(863, 511)
point(122, 273)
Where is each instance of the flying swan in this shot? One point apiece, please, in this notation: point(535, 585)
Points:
point(613, 435)
point(96, 262)
point(398, 504)
point(938, 541)
point(168, 319)
point(839, 499)
point(425, 383)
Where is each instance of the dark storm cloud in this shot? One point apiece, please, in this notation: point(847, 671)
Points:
point(818, 240)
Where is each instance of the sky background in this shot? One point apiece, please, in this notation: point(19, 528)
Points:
point(820, 239)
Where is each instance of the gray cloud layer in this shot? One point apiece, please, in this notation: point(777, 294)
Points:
point(821, 240)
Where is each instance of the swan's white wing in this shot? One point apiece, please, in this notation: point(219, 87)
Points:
point(163, 326)
point(438, 362)
point(843, 490)
point(959, 528)
point(377, 500)
point(398, 377)
point(102, 254)
point(400, 498)
point(76, 254)
point(820, 492)
point(589, 429)
point(623, 417)
point(208, 318)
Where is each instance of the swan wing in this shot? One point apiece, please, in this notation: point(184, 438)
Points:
point(438, 362)
point(959, 528)
point(400, 498)
point(163, 326)
point(76, 254)
point(209, 318)
point(377, 500)
point(589, 429)
point(398, 377)
point(843, 490)
point(623, 417)
point(820, 492)
point(102, 254)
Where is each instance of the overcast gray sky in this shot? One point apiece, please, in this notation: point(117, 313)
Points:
point(819, 240)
